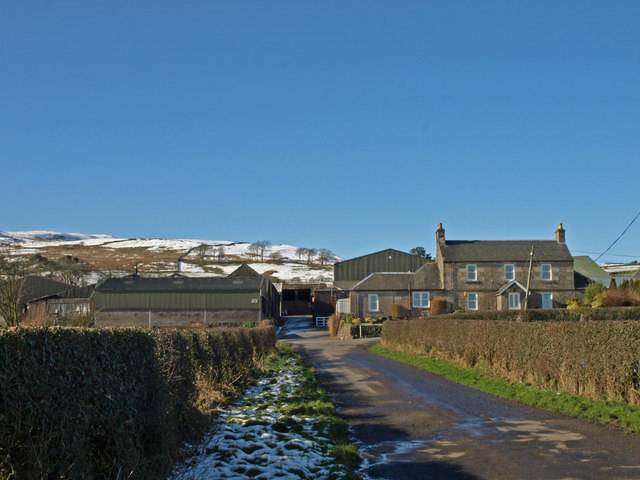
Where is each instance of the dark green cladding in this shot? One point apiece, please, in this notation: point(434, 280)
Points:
point(177, 300)
point(389, 260)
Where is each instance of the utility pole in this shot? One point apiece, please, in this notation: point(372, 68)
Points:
point(526, 296)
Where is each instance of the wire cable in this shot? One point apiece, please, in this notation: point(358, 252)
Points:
point(614, 242)
point(610, 255)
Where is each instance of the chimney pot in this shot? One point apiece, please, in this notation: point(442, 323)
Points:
point(440, 233)
point(560, 234)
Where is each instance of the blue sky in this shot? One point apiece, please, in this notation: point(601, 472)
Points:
point(348, 125)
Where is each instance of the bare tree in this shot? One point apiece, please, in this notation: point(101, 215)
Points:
point(276, 255)
point(12, 276)
point(254, 249)
point(301, 252)
point(324, 256)
point(262, 246)
point(202, 251)
point(311, 252)
point(220, 254)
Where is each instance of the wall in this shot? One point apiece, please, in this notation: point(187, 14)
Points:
point(491, 278)
point(168, 318)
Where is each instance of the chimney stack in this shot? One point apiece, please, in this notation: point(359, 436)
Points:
point(440, 233)
point(560, 234)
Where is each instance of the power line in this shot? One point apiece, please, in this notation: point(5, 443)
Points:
point(610, 255)
point(614, 242)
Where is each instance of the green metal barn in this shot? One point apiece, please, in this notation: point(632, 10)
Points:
point(179, 301)
point(349, 272)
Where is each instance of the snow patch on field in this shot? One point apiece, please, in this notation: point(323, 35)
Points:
point(256, 439)
point(283, 271)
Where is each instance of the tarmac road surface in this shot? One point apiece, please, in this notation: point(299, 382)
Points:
point(413, 424)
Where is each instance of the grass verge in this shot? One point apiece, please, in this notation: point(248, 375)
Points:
point(310, 399)
point(607, 412)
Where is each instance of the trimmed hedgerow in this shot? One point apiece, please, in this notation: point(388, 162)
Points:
point(599, 360)
point(551, 315)
point(112, 403)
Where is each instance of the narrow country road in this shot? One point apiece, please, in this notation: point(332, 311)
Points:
point(413, 424)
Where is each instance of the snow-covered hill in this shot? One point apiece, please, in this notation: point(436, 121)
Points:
point(43, 237)
point(189, 256)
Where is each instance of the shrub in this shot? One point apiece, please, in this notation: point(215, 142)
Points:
point(357, 322)
point(617, 297)
point(268, 322)
point(397, 310)
point(438, 306)
point(334, 324)
point(573, 304)
point(593, 291)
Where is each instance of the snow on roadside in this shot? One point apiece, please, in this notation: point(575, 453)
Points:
point(257, 438)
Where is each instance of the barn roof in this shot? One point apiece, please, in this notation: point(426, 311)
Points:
point(135, 283)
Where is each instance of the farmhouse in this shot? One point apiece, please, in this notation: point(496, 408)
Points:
point(474, 275)
point(180, 301)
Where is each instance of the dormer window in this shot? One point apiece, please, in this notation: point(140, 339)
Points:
point(509, 272)
point(546, 272)
point(472, 274)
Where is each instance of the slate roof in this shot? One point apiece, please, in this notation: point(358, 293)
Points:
point(244, 270)
point(506, 287)
point(426, 278)
point(134, 283)
point(80, 292)
point(37, 287)
point(385, 281)
point(503, 250)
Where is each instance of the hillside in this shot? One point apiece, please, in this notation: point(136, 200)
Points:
point(102, 255)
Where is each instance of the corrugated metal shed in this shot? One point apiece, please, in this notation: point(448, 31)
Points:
point(349, 272)
point(180, 293)
point(37, 287)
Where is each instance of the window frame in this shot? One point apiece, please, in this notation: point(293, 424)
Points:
point(514, 295)
point(475, 297)
point(421, 296)
point(542, 271)
point(370, 297)
point(550, 296)
point(472, 267)
point(513, 272)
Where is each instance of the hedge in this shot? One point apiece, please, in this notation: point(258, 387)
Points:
point(551, 315)
point(599, 360)
point(113, 403)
